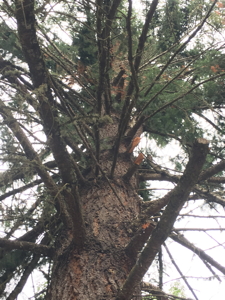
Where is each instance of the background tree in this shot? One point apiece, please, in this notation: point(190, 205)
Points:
point(81, 84)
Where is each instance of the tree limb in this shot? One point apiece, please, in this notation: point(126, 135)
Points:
point(211, 197)
point(27, 246)
point(201, 254)
point(180, 272)
point(156, 291)
point(220, 166)
point(127, 107)
point(28, 38)
point(176, 199)
point(28, 270)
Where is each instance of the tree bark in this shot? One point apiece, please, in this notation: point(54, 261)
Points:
point(99, 270)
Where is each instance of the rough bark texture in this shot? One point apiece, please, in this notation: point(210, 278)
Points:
point(99, 270)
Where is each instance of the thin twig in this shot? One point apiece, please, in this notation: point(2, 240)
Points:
point(180, 272)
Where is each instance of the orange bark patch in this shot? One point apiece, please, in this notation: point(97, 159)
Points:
point(146, 225)
point(139, 159)
point(133, 144)
point(220, 4)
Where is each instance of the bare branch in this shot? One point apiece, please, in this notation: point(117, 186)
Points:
point(220, 166)
point(139, 239)
point(179, 271)
point(21, 189)
point(27, 246)
point(198, 216)
point(211, 197)
point(70, 206)
point(28, 270)
point(201, 254)
point(156, 291)
point(130, 172)
point(176, 199)
point(127, 107)
point(209, 121)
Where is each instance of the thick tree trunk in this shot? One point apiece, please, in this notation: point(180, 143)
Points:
point(100, 269)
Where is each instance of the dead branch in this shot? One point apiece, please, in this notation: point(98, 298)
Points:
point(156, 291)
point(27, 246)
point(28, 270)
point(210, 196)
point(176, 199)
point(180, 272)
point(201, 254)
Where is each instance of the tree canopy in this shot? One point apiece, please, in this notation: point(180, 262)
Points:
point(91, 93)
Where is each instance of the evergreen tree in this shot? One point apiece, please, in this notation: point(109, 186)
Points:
point(83, 86)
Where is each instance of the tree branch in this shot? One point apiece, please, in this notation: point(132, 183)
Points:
point(12, 174)
point(179, 271)
point(211, 197)
point(70, 205)
point(198, 229)
point(27, 246)
point(156, 291)
point(220, 166)
point(201, 254)
point(139, 239)
point(143, 118)
point(33, 157)
point(127, 107)
point(28, 270)
point(176, 198)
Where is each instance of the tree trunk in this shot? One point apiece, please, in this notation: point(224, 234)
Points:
point(100, 269)
point(109, 207)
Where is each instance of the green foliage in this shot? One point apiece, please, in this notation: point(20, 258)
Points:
point(174, 22)
point(11, 261)
point(84, 38)
point(144, 191)
point(177, 289)
point(9, 44)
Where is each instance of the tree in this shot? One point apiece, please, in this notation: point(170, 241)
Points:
point(81, 84)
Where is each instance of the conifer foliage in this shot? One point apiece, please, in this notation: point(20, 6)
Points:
point(90, 91)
